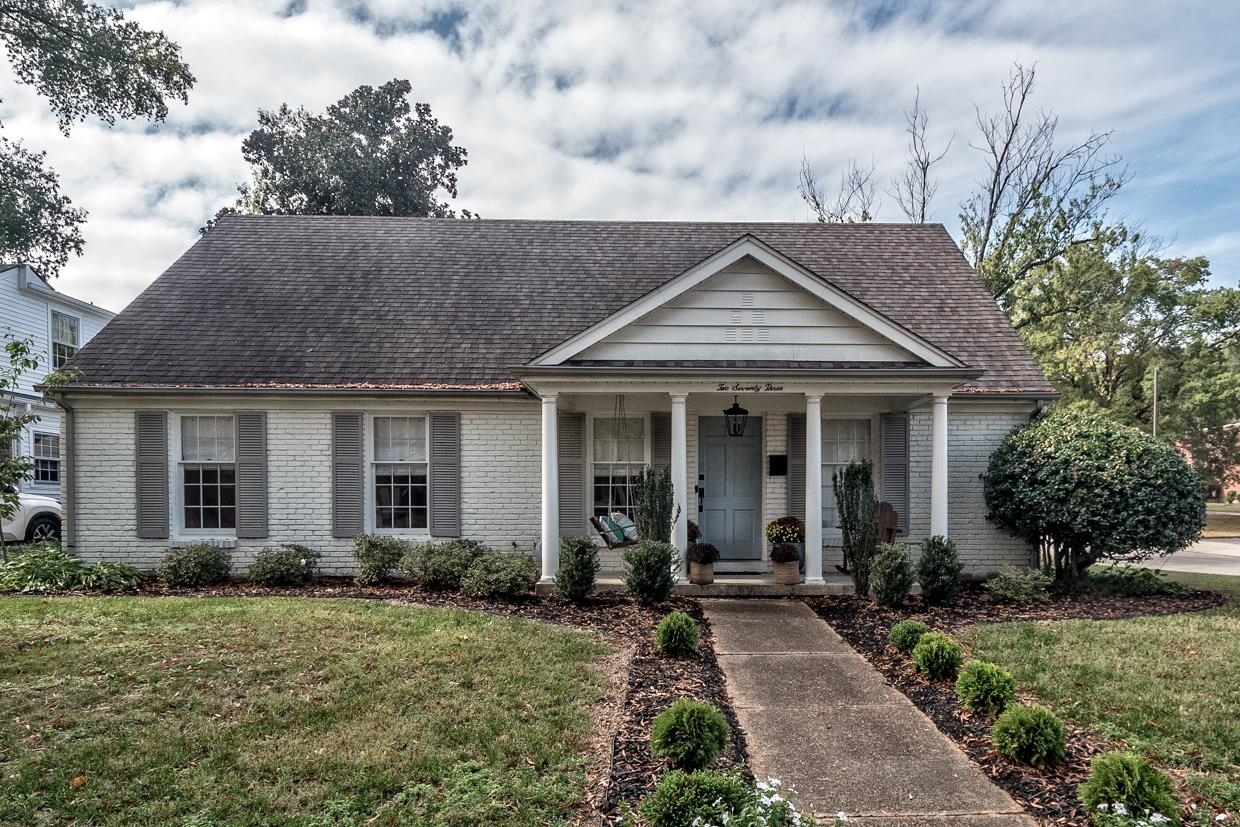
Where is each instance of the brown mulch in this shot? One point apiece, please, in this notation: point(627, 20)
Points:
point(1048, 794)
point(652, 682)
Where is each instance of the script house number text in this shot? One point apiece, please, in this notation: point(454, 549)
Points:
point(764, 388)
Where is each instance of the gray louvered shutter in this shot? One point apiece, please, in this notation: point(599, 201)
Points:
point(347, 477)
point(251, 474)
point(571, 446)
point(661, 441)
point(445, 457)
point(151, 464)
point(796, 465)
point(893, 466)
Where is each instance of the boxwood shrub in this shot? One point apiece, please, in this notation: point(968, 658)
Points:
point(985, 688)
point(1029, 734)
point(288, 565)
point(195, 566)
point(937, 655)
point(690, 734)
point(498, 576)
point(905, 634)
point(676, 635)
point(1128, 779)
point(579, 566)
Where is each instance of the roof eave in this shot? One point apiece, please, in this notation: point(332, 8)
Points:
point(513, 389)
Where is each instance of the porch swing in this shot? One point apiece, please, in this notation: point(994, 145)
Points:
point(614, 533)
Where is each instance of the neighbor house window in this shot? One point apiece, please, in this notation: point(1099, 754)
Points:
point(619, 454)
point(400, 472)
point(65, 338)
point(208, 472)
point(47, 458)
point(843, 441)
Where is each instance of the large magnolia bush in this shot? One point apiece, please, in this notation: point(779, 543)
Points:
point(1081, 488)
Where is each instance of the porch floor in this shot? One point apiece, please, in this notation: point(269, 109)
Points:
point(733, 585)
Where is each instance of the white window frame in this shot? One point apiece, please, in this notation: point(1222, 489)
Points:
point(34, 455)
point(371, 521)
point(645, 458)
point(53, 341)
point(176, 477)
point(831, 532)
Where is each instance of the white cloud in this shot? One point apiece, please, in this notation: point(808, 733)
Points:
point(659, 110)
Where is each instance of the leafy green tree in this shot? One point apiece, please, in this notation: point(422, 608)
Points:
point(1080, 488)
point(1104, 315)
point(372, 153)
point(86, 60)
point(38, 225)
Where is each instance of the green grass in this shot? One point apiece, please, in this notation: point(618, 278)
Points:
point(199, 712)
point(1168, 686)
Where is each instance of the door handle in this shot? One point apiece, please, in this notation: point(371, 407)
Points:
point(701, 492)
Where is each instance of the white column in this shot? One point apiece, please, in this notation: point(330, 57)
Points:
point(550, 489)
point(813, 488)
point(938, 469)
point(680, 478)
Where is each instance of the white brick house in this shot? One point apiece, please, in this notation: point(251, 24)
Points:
point(306, 379)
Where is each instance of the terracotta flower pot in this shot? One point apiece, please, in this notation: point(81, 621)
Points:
point(701, 574)
point(787, 574)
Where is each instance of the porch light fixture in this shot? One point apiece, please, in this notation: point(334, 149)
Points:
point(734, 419)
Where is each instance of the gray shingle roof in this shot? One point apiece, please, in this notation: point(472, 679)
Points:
point(405, 302)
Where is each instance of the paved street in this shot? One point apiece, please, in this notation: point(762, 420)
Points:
point(1205, 557)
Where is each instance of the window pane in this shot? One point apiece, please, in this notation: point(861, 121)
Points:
point(64, 329)
point(207, 438)
point(47, 446)
point(400, 439)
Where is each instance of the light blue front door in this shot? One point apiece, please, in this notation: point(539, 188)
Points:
point(730, 478)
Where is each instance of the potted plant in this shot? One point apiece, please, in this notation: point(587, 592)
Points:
point(786, 561)
point(702, 557)
point(786, 530)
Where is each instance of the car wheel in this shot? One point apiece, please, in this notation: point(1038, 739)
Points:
point(43, 528)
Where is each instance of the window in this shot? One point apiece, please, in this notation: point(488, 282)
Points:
point(47, 458)
point(843, 441)
point(619, 454)
point(208, 473)
point(65, 341)
point(400, 472)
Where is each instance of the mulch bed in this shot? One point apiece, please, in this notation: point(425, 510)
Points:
point(1048, 794)
point(653, 680)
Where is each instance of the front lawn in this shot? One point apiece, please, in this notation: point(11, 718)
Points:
point(201, 712)
point(1166, 685)
point(1222, 520)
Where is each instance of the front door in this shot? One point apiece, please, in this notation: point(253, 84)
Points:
point(730, 483)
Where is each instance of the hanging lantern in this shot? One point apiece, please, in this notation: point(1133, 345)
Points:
point(734, 419)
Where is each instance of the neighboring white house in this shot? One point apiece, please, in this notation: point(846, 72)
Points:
point(59, 326)
point(304, 379)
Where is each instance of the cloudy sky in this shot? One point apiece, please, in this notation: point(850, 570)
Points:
point(664, 110)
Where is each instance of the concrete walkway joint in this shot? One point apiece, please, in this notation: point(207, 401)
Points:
point(824, 721)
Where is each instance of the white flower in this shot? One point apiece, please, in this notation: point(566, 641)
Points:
point(1158, 818)
point(1120, 809)
point(841, 817)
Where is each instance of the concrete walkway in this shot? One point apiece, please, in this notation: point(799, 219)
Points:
point(1219, 556)
point(818, 717)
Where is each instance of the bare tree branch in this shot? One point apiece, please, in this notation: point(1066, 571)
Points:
point(914, 189)
point(854, 201)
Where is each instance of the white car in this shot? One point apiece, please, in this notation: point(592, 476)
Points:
point(37, 519)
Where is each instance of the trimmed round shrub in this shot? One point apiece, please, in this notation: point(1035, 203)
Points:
point(704, 797)
point(939, 572)
point(495, 576)
point(891, 575)
point(985, 688)
point(194, 566)
point(1129, 779)
point(1084, 488)
point(1017, 587)
point(649, 567)
point(578, 570)
point(1029, 735)
point(288, 565)
point(905, 634)
point(442, 566)
point(937, 655)
point(676, 635)
point(690, 734)
point(377, 555)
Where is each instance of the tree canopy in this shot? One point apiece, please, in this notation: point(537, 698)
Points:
point(1081, 488)
point(85, 60)
point(371, 153)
